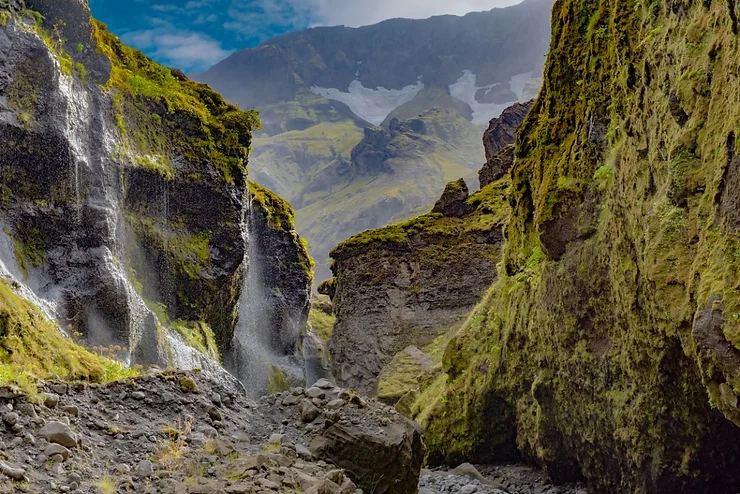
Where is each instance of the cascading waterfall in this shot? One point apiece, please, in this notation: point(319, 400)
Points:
point(254, 358)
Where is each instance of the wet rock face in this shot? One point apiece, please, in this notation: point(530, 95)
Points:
point(71, 18)
point(121, 240)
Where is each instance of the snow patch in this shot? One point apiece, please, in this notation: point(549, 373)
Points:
point(373, 105)
point(466, 88)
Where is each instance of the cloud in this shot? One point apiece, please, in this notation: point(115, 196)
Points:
point(184, 49)
point(363, 12)
point(195, 34)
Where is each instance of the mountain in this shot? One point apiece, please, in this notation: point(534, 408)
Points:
point(319, 90)
point(419, 279)
point(606, 349)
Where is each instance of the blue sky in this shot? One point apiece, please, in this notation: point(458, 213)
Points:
point(195, 34)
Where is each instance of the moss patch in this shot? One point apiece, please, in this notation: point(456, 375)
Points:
point(32, 348)
point(617, 238)
point(321, 319)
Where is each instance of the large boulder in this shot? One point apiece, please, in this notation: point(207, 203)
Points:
point(384, 461)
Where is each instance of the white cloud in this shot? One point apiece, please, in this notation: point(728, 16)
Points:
point(364, 12)
point(184, 49)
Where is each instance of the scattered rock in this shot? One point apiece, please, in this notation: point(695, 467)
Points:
point(57, 449)
point(57, 432)
point(71, 410)
point(10, 419)
point(145, 469)
point(335, 404)
point(51, 400)
point(389, 461)
point(309, 411)
point(15, 473)
point(303, 452)
point(28, 410)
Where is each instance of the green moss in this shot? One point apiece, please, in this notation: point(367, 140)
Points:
point(23, 93)
point(276, 382)
point(278, 212)
point(589, 354)
point(321, 319)
point(188, 385)
point(32, 348)
point(399, 377)
point(279, 215)
point(199, 336)
point(489, 210)
point(190, 253)
point(197, 122)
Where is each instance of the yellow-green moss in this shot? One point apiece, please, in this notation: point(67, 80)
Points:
point(281, 216)
point(188, 385)
point(276, 382)
point(489, 210)
point(320, 319)
point(199, 336)
point(223, 135)
point(279, 213)
point(31, 348)
point(588, 352)
point(399, 377)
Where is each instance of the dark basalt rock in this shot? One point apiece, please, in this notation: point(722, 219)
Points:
point(502, 130)
point(454, 200)
point(497, 166)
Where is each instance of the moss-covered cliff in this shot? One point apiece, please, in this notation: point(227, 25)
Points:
point(124, 189)
point(608, 346)
point(406, 284)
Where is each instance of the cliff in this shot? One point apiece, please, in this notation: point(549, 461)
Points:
point(320, 92)
point(405, 284)
point(123, 191)
point(607, 349)
point(418, 280)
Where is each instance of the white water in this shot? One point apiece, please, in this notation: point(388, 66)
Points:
point(75, 130)
point(466, 88)
point(372, 105)
point(11, 273)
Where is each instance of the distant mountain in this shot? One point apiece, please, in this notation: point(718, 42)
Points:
point(319, 90)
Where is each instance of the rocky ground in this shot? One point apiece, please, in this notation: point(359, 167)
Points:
point(180, 433)
point(183, 433)
point(490, 479)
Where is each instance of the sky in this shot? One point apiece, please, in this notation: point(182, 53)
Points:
point(193, 35)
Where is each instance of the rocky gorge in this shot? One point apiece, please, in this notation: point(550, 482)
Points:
point(568, 327)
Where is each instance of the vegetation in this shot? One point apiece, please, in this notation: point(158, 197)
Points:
point(620, 234)
point(489, 209)
point(221, 132)
point(33, 348)
point(278, 212)
point(320, 318)
point(276, 382)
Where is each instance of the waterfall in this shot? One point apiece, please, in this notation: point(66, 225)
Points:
point(77, 118)
point(254, 359)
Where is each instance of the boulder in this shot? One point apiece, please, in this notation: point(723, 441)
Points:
point(384, 461)
point(453, 202)
point(59, 433)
